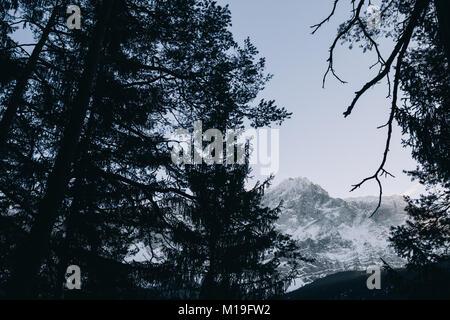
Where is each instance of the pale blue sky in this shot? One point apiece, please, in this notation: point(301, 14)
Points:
point(318, 143)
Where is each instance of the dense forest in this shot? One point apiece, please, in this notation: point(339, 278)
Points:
point(86, 172)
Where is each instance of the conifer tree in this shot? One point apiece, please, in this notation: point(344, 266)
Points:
point(88, 177)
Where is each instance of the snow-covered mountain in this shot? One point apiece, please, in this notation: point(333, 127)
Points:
point(337, 233)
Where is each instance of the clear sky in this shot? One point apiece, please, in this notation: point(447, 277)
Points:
point(318, 143)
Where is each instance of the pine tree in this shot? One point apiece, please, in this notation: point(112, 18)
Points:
point(424, 118)
point(228, 246)
point(30, 254)
point(88, 178)
point(225, 244)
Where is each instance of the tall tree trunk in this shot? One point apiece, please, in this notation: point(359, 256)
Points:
point(29, 256)
point(73, 217)
point(15, 100)
point(443, 15)
point(72, 221)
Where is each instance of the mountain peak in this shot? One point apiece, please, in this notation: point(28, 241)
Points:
point(336, 233)
point(299, 180)
point(299, 185)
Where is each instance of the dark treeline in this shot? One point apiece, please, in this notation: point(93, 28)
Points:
point(86, 175)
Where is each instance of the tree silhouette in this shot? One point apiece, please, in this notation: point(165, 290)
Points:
point(420, 29)
point(86, 173)
point(225, 243)
point(403, 21)
point(17, 93)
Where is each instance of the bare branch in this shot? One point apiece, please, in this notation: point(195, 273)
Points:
point(402, 42)
point(381, 171)
point(333, 46)
point(317, 26)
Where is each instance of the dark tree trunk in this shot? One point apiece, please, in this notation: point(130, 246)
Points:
point(443, 15)
point(22, 82)
point(29, 256)
point(71, 223)
point(73, 219)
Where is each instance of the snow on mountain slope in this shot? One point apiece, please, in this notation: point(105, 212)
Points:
point(337, 233)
